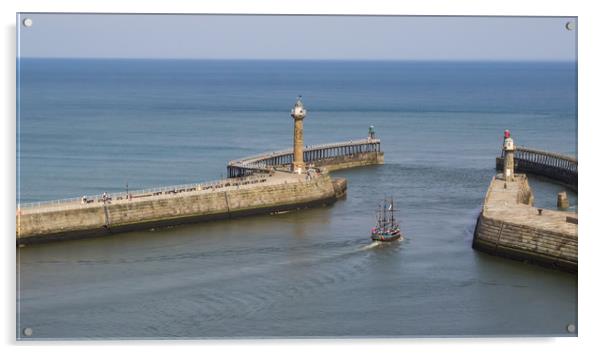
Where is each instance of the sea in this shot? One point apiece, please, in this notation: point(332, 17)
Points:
point(88, 126)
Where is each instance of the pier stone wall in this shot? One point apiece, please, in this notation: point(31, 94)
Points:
point(79, 221)
point(340, 186)
point(350, 161)
point(522, 242)
point(510, 226)
point(59, 221)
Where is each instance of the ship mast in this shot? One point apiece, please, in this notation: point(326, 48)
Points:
point(385, 219)
point(392, 209)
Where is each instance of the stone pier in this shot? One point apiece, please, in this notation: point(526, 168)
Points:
point(228, 198)
point(510, 226)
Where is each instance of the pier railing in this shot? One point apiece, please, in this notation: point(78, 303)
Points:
point(311, 154)
point(555, 166)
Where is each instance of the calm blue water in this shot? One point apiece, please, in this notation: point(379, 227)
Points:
point(90, 126)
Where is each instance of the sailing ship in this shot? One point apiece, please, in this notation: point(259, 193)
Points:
point(387, 228)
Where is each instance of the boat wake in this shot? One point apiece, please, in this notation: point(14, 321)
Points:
point(370, 246)
point(379, 243)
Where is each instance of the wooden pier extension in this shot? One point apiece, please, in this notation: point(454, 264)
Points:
point(330, 157)
point(558, 167)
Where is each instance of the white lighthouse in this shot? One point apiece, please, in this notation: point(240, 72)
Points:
point(298, 113)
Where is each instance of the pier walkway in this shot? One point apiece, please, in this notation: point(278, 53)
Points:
point(155, 193)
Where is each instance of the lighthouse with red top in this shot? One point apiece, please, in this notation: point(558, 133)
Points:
point(508, 157)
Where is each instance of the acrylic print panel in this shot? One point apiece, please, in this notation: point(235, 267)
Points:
point(221, 176)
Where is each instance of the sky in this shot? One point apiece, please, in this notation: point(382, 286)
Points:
point(296, 37)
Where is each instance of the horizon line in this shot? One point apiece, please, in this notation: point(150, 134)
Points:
point(314, 59)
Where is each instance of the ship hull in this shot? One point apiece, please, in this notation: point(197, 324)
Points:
point(386, 238)
point(387, 228)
